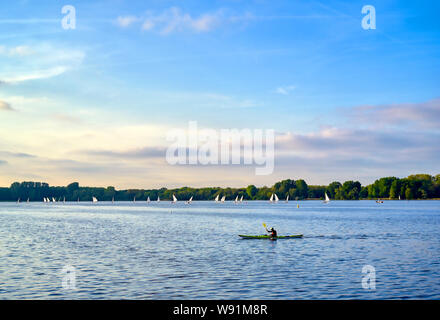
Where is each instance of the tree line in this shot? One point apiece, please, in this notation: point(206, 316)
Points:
point(418, 186)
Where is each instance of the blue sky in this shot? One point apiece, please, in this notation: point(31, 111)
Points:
point(131, 70)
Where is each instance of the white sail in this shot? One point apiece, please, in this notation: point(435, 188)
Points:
point(134, 199)
point(276, 197)
point(148, 199)
point(53, 199)
point(287, 198)
point(44, 199)
point(223, 199)
point(327, 199)
point(271, 198)
point(94, 199)
point(113, 199)
point(216, 198)
point(190, 199)
point(27, 200)
point(174, 198)
point(399, 196)
point(241, 199)
point(158, 199)
point(18, 200)
point(64, 200)
point(236, 199)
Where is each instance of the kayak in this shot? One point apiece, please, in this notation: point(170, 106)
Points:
point(268, 237)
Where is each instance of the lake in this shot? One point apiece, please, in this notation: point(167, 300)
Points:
point(176, 251)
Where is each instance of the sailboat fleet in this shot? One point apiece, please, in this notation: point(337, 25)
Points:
point(238, 199)
point(189, 201)
point(274, 198)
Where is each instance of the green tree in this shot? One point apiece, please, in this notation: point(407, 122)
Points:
point(332, 188)
point(395, 189)
point(302, 190)
point(251, 191)
point(408, 193)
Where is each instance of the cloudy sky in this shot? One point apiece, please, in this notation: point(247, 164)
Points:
point(95, 104)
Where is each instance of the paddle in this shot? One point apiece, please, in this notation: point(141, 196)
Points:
point(264, 225)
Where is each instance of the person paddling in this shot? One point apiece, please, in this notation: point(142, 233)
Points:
point(273, 233)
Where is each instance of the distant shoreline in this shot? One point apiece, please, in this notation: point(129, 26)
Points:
point(414, 187)
point(226, 201)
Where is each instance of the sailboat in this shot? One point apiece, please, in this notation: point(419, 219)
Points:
point(190, 200)
point(241, 199)
point(399, 196)
point(134, 199)
point(287, 198)
point(236, 199)
point(64, 200)
point(18, 201)
point(271, 198)
point(148, 200)
point(174, 199)
point(327, 199)
point(216, 198)
point(276, 197)
point(113, 199)
point(53, 199)
point(94, 199)
point(223, 199)
point(158, 199)
point(27, 200)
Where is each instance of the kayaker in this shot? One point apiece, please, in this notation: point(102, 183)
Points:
point(273, 233)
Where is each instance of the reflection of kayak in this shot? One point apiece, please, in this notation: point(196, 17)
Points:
point(268, 237)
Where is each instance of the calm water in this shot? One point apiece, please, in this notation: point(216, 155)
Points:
point(165, 251)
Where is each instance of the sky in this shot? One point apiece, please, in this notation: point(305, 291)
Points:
point(94, 104)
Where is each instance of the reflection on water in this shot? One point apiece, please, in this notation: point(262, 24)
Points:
point(178, 251)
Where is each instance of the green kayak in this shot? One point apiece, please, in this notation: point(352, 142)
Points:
point(268, 237)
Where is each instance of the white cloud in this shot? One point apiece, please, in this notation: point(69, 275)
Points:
point(23, 63)
point(21, 51)
point(16, 51)
point(125, 21)
point(4, 106)
point(285, 90)
point(424, 114)
point(36, 74)
point(147, 25)
point(174, 20)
